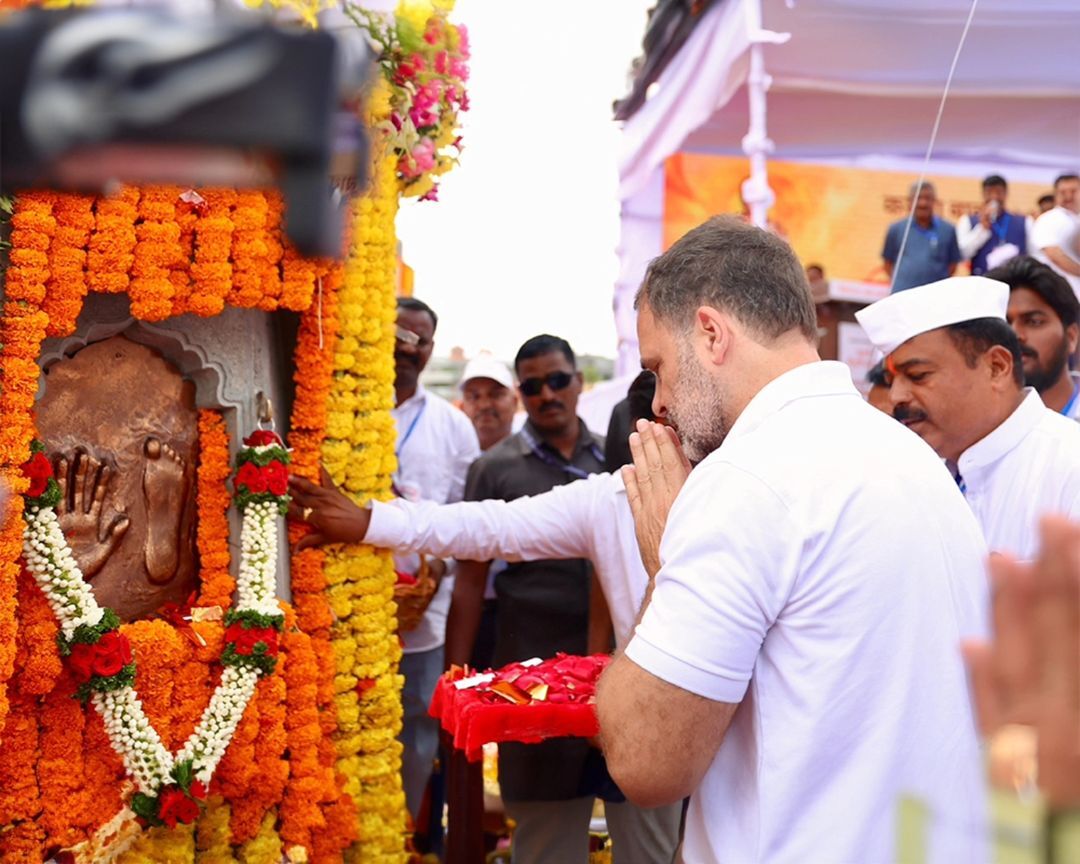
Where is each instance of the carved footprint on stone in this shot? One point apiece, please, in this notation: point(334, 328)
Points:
point(84, 483)
point(163, 488)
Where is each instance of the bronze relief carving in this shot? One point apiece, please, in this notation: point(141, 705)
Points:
point(121, 426)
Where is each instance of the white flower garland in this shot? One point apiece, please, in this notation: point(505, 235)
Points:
point(132, 735)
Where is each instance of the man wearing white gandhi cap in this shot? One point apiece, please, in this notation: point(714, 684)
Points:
point(956, 379)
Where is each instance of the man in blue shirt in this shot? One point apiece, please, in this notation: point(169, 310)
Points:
point(931, 252)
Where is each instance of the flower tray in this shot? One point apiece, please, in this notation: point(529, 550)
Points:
point(526, 702)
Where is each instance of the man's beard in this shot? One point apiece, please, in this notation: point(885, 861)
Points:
point(696, 409)
point(1044, 376)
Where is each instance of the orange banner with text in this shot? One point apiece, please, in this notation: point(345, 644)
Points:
point(833, 216)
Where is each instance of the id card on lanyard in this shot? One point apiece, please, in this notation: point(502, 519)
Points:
point(402, 488)
point(549, 458)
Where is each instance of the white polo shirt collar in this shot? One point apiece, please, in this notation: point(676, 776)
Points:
point(822, 378)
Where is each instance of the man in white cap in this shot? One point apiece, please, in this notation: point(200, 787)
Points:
point(488, 398)
point(957, 380)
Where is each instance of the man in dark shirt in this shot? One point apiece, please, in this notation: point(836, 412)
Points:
point(543, 606)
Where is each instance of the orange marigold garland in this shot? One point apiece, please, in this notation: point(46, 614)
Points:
point(157, 250)
point(212, 538)
point(275, 248)
point(19, 799)
point(270, 749)
point(67, 285)
point(211, 270)
point(249, 249)
point(21, 333)
point(186, 211)
point(61, 768)
point(300, 813)
point(298, 277)
point(112, 245)
point(314, 364)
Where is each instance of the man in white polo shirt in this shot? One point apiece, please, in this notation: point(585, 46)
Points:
point(957, 380)
point(1056, 232)
point(795, 670)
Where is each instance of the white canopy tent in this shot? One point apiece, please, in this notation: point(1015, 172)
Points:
point(857, 80)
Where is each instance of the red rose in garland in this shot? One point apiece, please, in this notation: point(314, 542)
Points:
point(277, 478)
point(113, 653)
point(39, 471)
point(177, 807)
point(246, 639)
point(81, 661)
point(262, 438)
point(250, 476)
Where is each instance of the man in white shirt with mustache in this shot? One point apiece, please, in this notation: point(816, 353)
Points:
point(956, 379)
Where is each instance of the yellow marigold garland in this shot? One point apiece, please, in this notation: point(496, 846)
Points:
point(358, 453)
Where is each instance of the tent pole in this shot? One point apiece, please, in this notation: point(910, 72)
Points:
point(756, 144)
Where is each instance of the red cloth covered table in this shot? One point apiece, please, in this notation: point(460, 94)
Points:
point(527, 702)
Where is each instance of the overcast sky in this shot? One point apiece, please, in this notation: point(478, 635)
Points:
point(522, 240)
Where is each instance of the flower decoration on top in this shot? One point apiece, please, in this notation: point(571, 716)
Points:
point(424, 61)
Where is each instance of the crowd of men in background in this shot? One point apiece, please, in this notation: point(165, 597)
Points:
point(547, 558)
point(933, 247)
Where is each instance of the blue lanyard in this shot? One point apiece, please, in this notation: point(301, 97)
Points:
point(1001, 228)
point(549, 459)
point(1072, 401)
point(409, 431)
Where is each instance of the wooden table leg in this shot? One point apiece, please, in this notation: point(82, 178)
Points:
point(465, 807)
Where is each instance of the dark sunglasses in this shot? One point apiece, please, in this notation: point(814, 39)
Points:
point(555, 380)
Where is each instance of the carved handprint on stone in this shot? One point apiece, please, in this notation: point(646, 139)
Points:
point(84, 483)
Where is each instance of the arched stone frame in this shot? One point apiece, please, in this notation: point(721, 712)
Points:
point(230, 366)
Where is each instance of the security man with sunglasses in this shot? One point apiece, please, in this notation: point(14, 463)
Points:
point(542, 606)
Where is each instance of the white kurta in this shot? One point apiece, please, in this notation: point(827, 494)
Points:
point(1026, 468)
point(821, 569)
point(436, 444)
point(588, 518)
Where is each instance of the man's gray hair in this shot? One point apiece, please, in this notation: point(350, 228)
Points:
point(730, 265)
point(913, 189)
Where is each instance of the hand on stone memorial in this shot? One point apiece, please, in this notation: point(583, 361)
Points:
point(1030, 675)
point(333, 517)
point(660, 468)
point(84, 483)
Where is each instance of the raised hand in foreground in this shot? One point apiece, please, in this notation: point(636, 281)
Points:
point(1030, 673)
